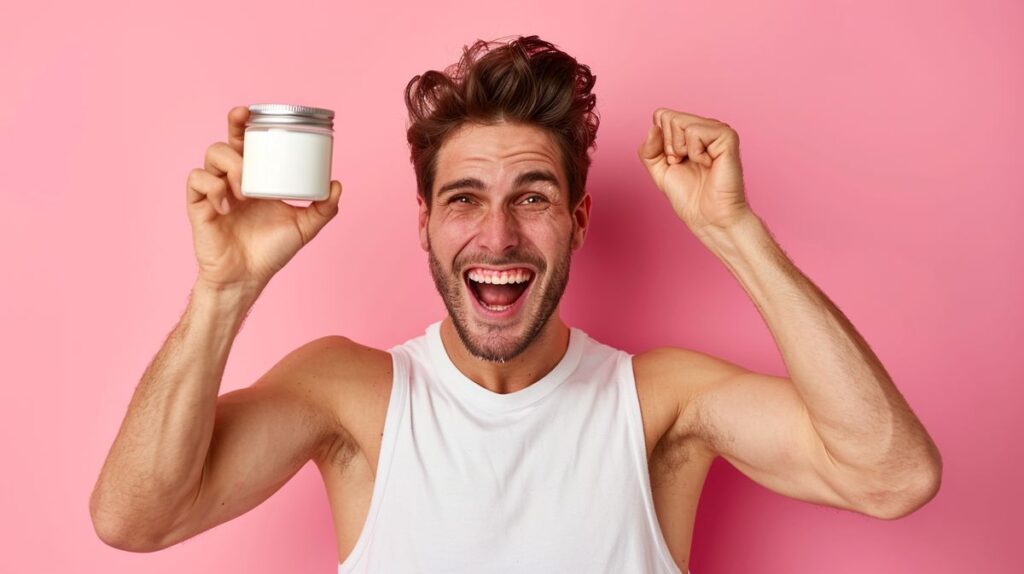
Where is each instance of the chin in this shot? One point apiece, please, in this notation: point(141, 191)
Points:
point(500, 333)
point(497, 343)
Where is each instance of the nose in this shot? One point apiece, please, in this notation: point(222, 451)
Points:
point(499, 231)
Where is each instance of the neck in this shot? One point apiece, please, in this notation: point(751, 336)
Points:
point(519, 372)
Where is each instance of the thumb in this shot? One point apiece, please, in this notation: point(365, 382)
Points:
point(312, 218)
point(652, 151)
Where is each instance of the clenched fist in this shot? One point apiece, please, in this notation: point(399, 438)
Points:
point(695, 162)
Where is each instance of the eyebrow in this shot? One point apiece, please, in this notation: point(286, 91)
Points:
point(525, 178)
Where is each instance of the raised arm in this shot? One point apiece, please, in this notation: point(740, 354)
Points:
point(761, 425)
point(185, 459)
point(837, 431)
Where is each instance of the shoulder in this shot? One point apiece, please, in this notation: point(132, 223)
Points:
point(333, 360)
point(675, 378)
point(682, 367)
point(346, 372)
point(346, 357)
point(340, 382)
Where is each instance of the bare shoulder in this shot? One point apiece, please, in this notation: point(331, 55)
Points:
point(330, 363)
point(343, 383)
point(671, 380)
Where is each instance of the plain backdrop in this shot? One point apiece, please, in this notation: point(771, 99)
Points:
point(881, 144)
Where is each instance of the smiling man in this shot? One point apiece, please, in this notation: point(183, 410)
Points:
point(499, 237)
point(502, 439)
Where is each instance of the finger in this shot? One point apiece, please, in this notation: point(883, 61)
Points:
point(223, 161)
point(656, 118)
point(652, 154)
point(679, 139)
point(726, 141)
point(651, 151)
point(698, 138)
point(237, 117)
point(685, 117)
point(675, 143)
point(314, 217)
point(666, 137)
point(204, 187)
point(694, 145)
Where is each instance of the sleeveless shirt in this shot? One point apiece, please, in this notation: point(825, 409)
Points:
point(552, 478)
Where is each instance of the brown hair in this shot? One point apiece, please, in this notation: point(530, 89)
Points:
point(526, 80)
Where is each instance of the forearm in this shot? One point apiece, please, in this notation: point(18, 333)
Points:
point(157, 458)
point(862, 419)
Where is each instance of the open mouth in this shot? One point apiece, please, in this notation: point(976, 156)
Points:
point(498, 292)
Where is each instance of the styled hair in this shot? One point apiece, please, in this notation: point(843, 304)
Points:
point(526, 80)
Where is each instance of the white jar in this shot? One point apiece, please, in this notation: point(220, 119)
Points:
point(287, 152)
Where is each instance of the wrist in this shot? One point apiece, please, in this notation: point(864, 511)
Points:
point(228, 302)
point(241, 289)
point(730, 242)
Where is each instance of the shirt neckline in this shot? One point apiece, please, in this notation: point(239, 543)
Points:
point(464, 387)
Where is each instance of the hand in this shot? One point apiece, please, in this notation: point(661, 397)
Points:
point(695, 162)
point(243, 241)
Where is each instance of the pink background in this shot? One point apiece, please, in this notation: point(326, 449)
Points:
point(880, 143)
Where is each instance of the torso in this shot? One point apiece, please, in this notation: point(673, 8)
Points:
point(678, 463)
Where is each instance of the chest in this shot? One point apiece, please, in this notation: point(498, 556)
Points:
point(573, 469)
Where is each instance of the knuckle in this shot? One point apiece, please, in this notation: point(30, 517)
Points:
point(214, 193)
point(195, 177)
point(207, 183)
point(224, 152)
point(212, 152)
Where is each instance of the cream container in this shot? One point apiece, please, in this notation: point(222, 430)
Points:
point(286, 153)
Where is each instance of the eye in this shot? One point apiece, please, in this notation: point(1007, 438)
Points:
point(456, 198)
point(539, 198)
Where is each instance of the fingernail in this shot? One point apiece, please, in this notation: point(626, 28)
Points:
point(224, 207)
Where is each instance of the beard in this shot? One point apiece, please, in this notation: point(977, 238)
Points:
point(494, 343)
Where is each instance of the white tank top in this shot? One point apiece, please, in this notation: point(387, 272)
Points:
point(549, 479)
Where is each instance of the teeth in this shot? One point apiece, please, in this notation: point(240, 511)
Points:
point(497, 308)
point(500, 278)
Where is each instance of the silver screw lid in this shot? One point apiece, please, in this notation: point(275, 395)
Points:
point(289, 114)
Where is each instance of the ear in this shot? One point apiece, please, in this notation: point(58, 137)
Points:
point(424, 218)
point(581, 218)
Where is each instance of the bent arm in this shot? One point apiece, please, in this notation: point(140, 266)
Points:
point(262, 436)
point(838, 389)
point(156, 459)
point(185, 459)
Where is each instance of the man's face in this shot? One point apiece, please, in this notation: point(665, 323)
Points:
point(500, 234)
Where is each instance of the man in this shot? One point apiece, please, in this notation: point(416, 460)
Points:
point(503, 440)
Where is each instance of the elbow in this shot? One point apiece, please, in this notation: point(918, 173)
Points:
point(116, 539)
point(115, 532)
point(117, 536)
point(901, 507)
point(910, 494)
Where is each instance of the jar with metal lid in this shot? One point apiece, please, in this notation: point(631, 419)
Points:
point(287, 152)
